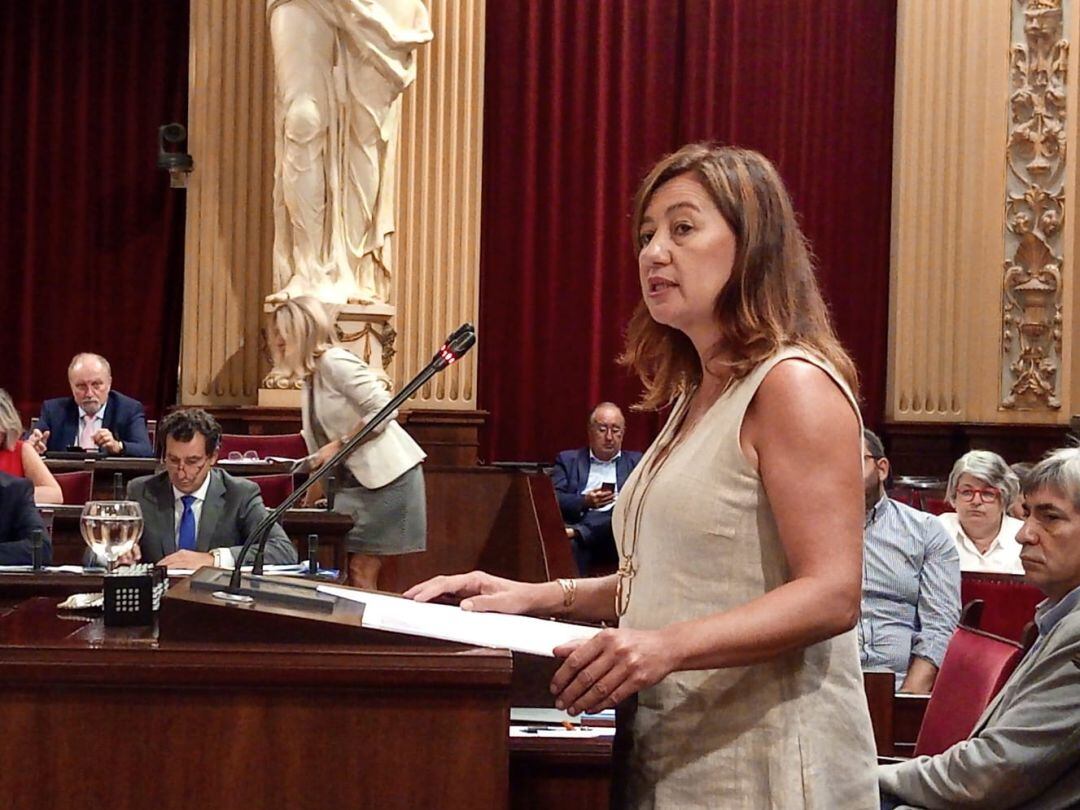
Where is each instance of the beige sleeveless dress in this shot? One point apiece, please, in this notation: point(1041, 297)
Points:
point(793, 732)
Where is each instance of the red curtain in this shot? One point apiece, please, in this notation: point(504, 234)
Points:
point(581, 98)
point(91, 236)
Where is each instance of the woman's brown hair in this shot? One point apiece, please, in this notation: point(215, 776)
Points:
point(772, 299)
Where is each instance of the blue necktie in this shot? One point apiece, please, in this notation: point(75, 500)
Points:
point(186, 537)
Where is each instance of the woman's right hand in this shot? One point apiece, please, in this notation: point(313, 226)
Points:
point(482, 592)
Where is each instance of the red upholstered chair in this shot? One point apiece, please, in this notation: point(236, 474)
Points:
point(275, 488)
point(1009, 601)
point(976, 666)
point(971, 614)
point(936, 506)
point(77, 487)
point(285, 445)
point(905, 495)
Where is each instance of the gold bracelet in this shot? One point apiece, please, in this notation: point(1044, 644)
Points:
point(569, 591)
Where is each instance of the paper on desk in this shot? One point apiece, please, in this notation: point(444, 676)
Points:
point(502, 631)
point(51, 569)
point(561, 731)
point(292, 568)
point(546, 717)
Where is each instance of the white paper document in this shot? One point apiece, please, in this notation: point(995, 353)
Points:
point(499, 630)
point(268, 570)
point(560, 731)
point(52, 569)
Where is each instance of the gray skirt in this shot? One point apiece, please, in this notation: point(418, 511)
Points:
point(388, 520)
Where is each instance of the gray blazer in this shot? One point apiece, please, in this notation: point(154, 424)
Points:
point(1025, 749)
point(233, 508)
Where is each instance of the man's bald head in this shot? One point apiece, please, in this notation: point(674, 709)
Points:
point(90, 378)
point(606, 428)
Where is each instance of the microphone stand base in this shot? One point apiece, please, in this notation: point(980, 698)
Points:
point(234, 598)
point(288, 592)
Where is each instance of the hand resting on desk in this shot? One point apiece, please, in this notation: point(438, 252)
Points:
point(481, 591)
point(187, 559)
point(597, 673)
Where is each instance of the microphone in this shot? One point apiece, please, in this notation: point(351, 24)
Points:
point(457, 344)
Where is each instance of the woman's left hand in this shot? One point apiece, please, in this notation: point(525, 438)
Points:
point(604, 670)
point(324, 454)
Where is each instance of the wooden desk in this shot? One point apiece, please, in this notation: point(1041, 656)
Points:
point(122, 718)
point(552, 774)
point(16, 588)
point(105, 468)
point(502, 521)
point(69, 548)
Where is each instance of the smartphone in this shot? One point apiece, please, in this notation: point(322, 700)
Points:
point(607, 486)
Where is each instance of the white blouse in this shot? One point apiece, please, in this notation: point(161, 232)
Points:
point(1003, 556)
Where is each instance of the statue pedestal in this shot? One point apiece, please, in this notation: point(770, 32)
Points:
point(363, 329)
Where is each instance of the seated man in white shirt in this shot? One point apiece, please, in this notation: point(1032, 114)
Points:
point(981, 487)
point(194, 514)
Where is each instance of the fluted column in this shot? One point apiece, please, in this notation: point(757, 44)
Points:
point(229, 220)
point(950, 359)
point(230, 225)
point(436, 283)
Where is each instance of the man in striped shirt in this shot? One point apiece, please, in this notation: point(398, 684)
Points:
point(911, 582)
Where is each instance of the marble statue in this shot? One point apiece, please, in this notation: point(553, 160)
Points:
point(340, 68)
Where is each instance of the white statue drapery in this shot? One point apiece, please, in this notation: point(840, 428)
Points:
point(340, 68)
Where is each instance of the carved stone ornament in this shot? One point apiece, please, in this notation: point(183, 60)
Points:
point(1034, 208)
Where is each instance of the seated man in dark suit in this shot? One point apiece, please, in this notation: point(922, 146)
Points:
point(193, 513)
point(18, 520)
point(1024, 751)
point(587, 481)
point(94, 417)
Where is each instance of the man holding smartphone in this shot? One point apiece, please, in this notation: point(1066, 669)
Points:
point(587, 481)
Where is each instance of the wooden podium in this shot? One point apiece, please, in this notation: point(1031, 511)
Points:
point(303, 713)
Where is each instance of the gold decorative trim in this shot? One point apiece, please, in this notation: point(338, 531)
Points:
point(1034, 208)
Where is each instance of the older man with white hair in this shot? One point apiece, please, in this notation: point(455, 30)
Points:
point(1025, 750)
point(95, 417)
point(981, 487)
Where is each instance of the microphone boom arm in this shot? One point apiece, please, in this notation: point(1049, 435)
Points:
point(457, 344)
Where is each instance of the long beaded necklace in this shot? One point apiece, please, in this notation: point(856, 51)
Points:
point(628, 565)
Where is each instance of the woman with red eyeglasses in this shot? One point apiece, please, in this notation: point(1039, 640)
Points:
point(981, 487)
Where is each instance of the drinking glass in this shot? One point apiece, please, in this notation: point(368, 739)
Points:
point(111, 528)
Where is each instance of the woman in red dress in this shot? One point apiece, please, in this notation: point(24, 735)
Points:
point(20, 458)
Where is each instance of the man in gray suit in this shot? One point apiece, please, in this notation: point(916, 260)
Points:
point(195, 514)
point(1025, 749)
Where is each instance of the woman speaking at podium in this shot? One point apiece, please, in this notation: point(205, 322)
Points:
point(380, 485)
point(740, 532)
